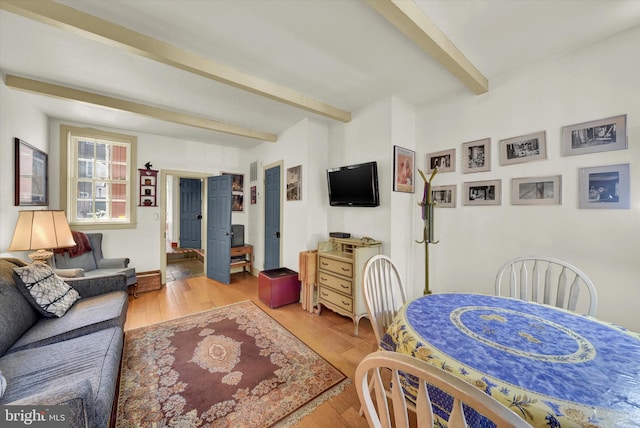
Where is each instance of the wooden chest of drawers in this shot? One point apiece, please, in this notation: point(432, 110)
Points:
point(340, 267)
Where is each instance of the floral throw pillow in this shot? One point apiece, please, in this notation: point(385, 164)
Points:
point(45, 290)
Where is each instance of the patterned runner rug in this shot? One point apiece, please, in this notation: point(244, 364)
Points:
point(232, 366)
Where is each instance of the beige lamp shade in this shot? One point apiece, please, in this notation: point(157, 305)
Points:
point(40, 230)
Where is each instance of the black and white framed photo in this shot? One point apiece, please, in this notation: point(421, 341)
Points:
point(294, 183)
point(403, 169)
point(525, 148)
point(537, 190)
point(595, 136)
point(445, 161)
point(476, 156)
point(605, 187)
point(444, 196)
point(488, 192)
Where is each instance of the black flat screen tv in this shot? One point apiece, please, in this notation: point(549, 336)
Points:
point(354, 185)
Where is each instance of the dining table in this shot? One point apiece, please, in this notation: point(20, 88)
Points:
point(553, 367)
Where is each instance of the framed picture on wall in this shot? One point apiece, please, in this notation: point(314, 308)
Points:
point(445, 161)
point(604, 187)
point(488, 192)
point(254, 193)
point(596, 136)
point(476, 156)
point(237, 191)
point(294, 183)
point(403, 169)
point(525, 148)
point(31, 175)
point(444, 196)
point(537, 190)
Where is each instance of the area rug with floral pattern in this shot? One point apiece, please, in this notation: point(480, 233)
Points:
point(232, 366)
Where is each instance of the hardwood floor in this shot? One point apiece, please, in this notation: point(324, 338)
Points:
point(329, 334)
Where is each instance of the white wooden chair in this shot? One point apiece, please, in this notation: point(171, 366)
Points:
point(383, 292)
point(546, 280)
point(379, 414)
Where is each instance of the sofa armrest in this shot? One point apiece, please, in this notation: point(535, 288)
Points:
point(97, 285)
point(70, 273)
point(112, 263)
point(77, 396)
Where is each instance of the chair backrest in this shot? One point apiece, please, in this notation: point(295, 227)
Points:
point(372, 370)
point(547, 280)
point(383, 292)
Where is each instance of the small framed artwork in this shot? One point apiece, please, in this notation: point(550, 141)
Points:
point(254, 194)
point(31, 175)
point(294, 183)
point(476, 156)
point(237, 191)
point(488, 192)
point(403, 169)
point(525, 148)
point(537, 190)
point(445, 161)
point(604, 187)
point(596, 136)
point(444, 196)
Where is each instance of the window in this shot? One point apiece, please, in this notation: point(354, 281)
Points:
point(100, 183)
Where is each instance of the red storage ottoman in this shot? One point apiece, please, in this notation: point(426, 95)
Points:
point(278, 287)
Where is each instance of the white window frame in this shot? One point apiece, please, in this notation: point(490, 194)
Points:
point(69, 137)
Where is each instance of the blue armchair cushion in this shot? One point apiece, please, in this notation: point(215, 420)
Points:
point(45, 290)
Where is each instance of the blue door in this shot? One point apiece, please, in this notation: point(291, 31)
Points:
point(219, 228)
point(190, 213)
point(272, 218)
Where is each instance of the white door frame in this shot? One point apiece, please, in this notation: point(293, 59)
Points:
point(164, 173)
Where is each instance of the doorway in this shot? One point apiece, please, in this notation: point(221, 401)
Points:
point(175, 262)
point(272, 216)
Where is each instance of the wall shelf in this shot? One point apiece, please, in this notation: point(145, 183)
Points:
point(148, 188)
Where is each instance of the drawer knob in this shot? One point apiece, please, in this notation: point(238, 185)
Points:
point(345, 269)
point(344, 286)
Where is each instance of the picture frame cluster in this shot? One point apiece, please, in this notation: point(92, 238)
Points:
point(601, 187)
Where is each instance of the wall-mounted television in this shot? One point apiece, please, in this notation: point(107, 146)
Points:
point(354, 185)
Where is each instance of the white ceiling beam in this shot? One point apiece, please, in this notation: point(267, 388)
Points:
point(57, 91)
point(94, 28)
point(407, 17)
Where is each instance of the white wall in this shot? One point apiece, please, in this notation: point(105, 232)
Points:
point(598, 82)
point(18, 119)
point(366, 138)
point(304, 222)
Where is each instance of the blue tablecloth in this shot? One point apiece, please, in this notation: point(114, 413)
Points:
point(553, 367)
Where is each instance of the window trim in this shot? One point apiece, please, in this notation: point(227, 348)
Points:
point(65, 131)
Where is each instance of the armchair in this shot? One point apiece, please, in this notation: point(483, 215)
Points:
point(92, 262)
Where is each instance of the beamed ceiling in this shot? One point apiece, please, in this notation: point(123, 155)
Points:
point(239, 72)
